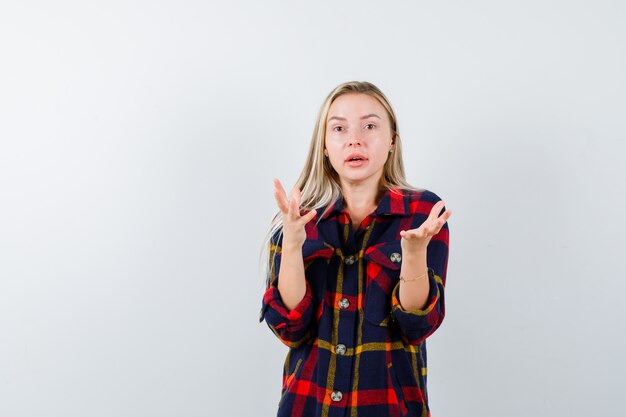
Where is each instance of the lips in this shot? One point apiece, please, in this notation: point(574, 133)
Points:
point(355, 157)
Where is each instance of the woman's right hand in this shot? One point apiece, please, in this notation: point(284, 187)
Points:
point(294, 233)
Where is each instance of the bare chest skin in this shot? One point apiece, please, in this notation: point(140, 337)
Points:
point(357, 216)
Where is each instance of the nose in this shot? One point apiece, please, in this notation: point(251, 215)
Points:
point(354, 140)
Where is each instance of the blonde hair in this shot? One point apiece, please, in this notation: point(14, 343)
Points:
point(319, 183)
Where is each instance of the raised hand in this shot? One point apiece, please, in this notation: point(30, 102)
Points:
point(294, 234)
point(415, 240)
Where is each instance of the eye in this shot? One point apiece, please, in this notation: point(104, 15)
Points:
point(370, 124)
point(337, 127)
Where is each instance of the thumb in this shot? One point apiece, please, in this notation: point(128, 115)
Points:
point(310, 214)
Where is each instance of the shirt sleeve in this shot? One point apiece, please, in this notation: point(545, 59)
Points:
point(417, 325)
point(292, 327)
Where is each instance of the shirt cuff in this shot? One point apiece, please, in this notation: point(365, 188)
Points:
point(284, 317)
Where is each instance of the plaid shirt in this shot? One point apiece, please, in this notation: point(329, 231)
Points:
point(354, 350)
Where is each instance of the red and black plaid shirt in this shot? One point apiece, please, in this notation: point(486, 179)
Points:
point(354, 351)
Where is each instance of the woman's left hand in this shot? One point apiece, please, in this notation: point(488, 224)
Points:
point(416, 240)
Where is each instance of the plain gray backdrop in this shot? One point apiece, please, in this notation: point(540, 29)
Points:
point(139, 140)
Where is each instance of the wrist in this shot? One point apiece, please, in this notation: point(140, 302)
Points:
point(414, 257)
point(291, 250)
point(415, 278)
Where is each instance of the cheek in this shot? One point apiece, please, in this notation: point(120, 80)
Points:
point(335, 162)
point(330, 149)
point(333, 147)
point(382, 158)
point(333, 140)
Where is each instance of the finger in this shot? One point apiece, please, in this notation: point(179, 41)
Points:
point(433, 218)
point(434, 212)
point(414, 234)
point(443, 219)
point(298, 196)
point(281, 201)
point(279, 187)
point(290, 203)
point(309, 216)
point(280, 191)
point(281, 196)
point(294, 212)
point(436, 227)
point(407, 233)
point(282, 205)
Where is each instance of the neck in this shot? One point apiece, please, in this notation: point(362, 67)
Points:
point(361, 196)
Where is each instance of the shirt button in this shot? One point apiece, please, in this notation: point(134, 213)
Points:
point(340, 349)
point(395, 257)
point(336, 396)
point(349, 260)
point(343, 303)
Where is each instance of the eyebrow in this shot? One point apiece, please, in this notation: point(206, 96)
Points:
point(367, 116)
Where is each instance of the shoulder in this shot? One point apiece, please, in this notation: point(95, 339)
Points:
point(422, 195)
point(420, 202)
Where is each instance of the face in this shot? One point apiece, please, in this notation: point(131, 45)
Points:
point(358, 124)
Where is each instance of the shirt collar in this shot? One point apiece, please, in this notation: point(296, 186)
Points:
point(394, 201)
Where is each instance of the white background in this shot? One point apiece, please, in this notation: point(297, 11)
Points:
point(139, 140)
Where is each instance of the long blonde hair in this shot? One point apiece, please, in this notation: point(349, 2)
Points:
point(319, 183)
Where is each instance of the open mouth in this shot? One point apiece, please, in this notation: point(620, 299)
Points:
point(355, 157)
point(356, 161)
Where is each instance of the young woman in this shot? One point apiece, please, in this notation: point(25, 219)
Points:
point(356, 268)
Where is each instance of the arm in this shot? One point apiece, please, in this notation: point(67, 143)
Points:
point(413, 293)
point(288, 302)
point(418, 306)
point(291, 280)
point(290, 325)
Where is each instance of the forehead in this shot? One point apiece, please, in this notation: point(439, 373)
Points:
point(356, 105)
